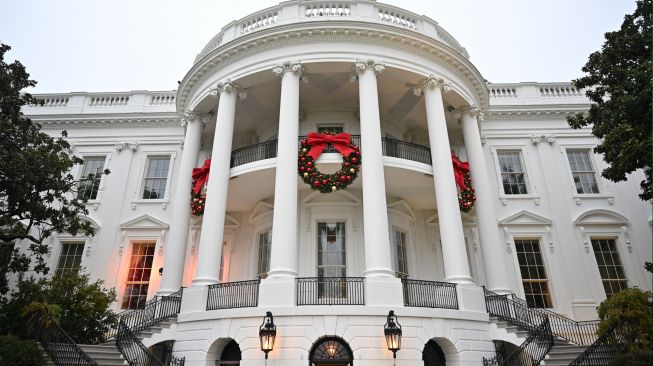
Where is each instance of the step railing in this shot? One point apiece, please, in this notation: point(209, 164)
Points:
point(155, 310)
point(521, 313)
point(531, 352)
point(135, 352)
point(429, 294)
point(231, 295)
point(330, 291)
point(603, 350)
point(63, 351)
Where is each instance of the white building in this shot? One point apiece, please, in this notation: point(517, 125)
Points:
point(545, 226)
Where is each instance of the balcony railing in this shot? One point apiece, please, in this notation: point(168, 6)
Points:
point(330, 291)
point(231, 295)
point(430, 294)
point(391, 147)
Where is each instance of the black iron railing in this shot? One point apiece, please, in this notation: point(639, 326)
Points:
point(252, 153)
point(531, 352)
point(230, 295)
point(429, 294)
point(155, 310)
point(603, 350)
point(57, 344)
point(135, 352)
point(406, 150)
point(519, 312)
point(330, 291)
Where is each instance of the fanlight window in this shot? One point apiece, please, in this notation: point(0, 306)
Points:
point(331, 351)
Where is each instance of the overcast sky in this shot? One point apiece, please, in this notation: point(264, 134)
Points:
point(120, 45)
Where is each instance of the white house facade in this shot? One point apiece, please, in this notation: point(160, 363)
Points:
point(545, 225)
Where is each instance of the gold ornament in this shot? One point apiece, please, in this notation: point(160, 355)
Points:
point(305, 175)
point(334, 188)
point(304, 150)
point(352, 170)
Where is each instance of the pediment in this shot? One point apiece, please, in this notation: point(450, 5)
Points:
point(261, 209)
point(144, 222)
point(403, 208)
point(337, 197)
point(91, 221)
point(524, 218)
point(601, 217)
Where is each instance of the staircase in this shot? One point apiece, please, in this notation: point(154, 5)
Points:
point(563, 353)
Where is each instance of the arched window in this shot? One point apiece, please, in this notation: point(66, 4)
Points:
point(433, 355)
point(231, 354)
point(331, 351)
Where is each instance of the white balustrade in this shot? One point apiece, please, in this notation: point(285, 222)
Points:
point(327, 9)
point(108, 101)
point(397, 18)
point(51, 102)
point(260, 21)
point(560, 91)
point(502, 92)
point(162, 99)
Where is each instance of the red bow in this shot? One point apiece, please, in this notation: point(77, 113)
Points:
point(201, 176)
point(319, 141)
point(460, 169)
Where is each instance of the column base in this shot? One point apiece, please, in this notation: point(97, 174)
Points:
point(471, 298)
point(383, 291)
point(194, 299)
point(204, 281)
point(277, 291)
point(501, 290)
point(459, 279)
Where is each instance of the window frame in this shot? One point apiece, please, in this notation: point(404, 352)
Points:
point(144, 165)
point(101, 186)
point(525, 161)
point(621, 258)
point(542, 250)
point(593, 163)
point(395, 260)
point(257, 250)
point(70, 241)
point(523, 171)
point(151, 283)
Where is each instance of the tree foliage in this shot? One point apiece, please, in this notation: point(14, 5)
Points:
point(619, 83)
point(37, 191)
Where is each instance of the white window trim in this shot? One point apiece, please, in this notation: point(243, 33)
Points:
point(60, 240)
point(350, 244)
point(138, 198)
point(258, 231)
point(154, 282)
point(525, 160)
point(409, 250)
point(102, 188)
point(603, 189)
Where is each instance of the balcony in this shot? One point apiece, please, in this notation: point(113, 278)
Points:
point(231, 295)
point(429, 294)
point(330, 291)
point(391, 148)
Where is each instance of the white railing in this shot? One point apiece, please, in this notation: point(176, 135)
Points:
point(108, 101)
point(502, 92)
point(395, 17)
point(165, 99)
point(51, 102)
point(80, 103)
point(260, 21)
point(560, 91)
point(327, 10)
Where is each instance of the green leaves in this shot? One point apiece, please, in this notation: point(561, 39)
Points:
point(619, 82)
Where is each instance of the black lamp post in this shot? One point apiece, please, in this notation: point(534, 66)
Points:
point(267, 333)
point(392, 331)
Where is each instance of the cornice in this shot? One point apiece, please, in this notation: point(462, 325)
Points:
point(339, 31)
point(108, 121)
point(534, 112)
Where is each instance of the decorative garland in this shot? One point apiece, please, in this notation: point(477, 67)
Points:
point(197, 197)
point(466, 196)
point(310, 150)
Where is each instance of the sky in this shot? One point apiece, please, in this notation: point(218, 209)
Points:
point(122, 45)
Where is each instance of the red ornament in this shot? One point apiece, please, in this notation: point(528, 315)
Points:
point(316, 183)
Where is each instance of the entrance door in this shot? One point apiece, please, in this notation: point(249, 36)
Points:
point(331, 258)
point(331, 351)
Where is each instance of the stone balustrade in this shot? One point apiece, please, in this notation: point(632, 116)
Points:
point(89, 103)
point(296, 11)
point(535, 93)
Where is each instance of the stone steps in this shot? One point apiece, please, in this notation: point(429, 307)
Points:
point(103, 354)
point(563, 354)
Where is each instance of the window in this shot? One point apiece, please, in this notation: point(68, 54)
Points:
point(70, 258)
point(531, 265)
point(89, 181)
point(582, 171)
point(610, 268)
point(330, 128)
point(401, 259)
point(331, 259)
point(156, 177)
point(138, 276)
point(264, 245)
point(513, 176)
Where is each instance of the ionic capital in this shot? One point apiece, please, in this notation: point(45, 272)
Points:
point(430, 82)
point(362, 65)
point(229, 86)
point(291, 66)
point(471, 111)
point(191, 116)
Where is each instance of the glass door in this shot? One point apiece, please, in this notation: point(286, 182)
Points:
point(331, 259)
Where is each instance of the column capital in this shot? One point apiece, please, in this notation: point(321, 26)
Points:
point(229, 86)
point(430, 82)
point(192, 116)
point(362, 65)
point(291, 66)
point(472, 111)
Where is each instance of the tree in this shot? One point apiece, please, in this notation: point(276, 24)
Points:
point(619, 85)
point(37, 191)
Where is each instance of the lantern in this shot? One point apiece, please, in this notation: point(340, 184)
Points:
point(267, 333)
point(392, 331)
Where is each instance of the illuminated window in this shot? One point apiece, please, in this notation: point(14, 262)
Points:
point(533, 273)
point(70, 258)
point(89, 182)
point(138, 276)
point(610, 268)
point(156, 177)
point(582, 171)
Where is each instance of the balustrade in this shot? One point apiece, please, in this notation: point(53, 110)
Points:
point(429, 294)
point(108, 101)
point(330, 291)
point(231, 295)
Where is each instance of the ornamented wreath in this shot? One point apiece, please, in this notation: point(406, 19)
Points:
point(310, 150)
point(197, 197)
point(466, 195)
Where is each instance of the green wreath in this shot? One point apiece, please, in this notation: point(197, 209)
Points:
point(322, 182)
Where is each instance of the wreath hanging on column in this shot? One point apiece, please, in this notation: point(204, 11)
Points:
point(197, 197)
point(466, 195)
point(310, 150)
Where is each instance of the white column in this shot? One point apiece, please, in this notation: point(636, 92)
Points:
point(454, 253)
point(212, 235)
point(284, 251)
point(493, 250)
point(175, 249)
point(378, 258)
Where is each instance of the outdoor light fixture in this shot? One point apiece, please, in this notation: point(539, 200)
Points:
point(392, 331)
point(160, 271)
point(267, 332)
